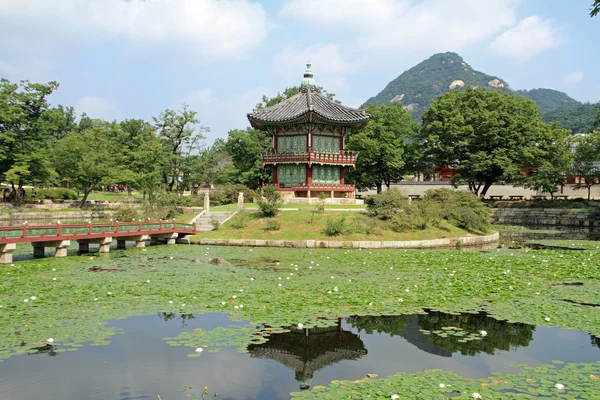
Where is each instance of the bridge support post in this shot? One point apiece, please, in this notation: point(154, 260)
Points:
point(60, 247)
point(171, 238)
point(6, 251)
point(84, 244)
point(140, 241)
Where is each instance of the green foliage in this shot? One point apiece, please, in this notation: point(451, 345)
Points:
point(228, 194)
point(273, 225)
point(246, 147)
point(578, 118)
point(56, 194)
point(549, 100)
point(381, 145)
point(214, 221)
point(239, 220)
point(487, 137)
point(462, 209)
point(585, 160)
point(126, 213)
point(269, 202)
point(386, 204)
point(335, 226)
point(595, 8)
point(162, 206)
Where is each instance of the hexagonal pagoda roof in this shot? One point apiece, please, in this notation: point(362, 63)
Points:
point(308, 106)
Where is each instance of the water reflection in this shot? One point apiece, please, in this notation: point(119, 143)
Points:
point(306, 351)
point(183, 318)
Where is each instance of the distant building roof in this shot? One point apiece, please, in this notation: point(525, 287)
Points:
point(308, 106)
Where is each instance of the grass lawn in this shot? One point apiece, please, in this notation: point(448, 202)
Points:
point(185, 218)
point(113, 196)
point(233, 207)
point(297, 225)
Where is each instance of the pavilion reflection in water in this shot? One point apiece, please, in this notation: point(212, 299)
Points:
point(308, 350)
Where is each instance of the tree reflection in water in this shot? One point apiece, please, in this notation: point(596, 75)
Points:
point(501, 334)
point(168, 316)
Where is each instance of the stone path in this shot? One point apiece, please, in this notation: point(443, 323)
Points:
point(204, 224)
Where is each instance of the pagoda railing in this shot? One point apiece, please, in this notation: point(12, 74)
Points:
point(323, 186)
point(344, 157)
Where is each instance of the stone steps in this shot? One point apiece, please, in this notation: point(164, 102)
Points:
point(204, 222)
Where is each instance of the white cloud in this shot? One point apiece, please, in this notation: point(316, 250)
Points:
point(530, 37)
point(407, 26)
point(97, 107)
point(204, 29)
point(328, 65)
point(572, 78)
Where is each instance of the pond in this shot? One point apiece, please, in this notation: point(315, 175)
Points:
point(274, 322)
point(140, 363)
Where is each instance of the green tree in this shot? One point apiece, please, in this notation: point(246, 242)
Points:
point(381, 145)
point(90, 158)
point(179, 136)
point(487, 136)
point(586, 163)
point(246, 147)
point(25, 129)
point(595, 9)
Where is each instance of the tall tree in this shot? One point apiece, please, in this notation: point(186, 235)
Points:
point(381, 145)
point(595, 9)
point(586, 163)
point(24, 132)
point(90, 158)
point(180, 136)
point(246, 147)
point(487, 136)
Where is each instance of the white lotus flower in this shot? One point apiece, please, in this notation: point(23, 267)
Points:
point(148, 281)
point(33, 298)
point(109, 293)
point(199, 350)
point(170, 258)
point(300, 326)
point(234, 296)
point(236, 307)
point(53, 279)
point(335, 289)
point(370, 304)
point(349, 280)
point(547, 318)
point(296, 268)
point(330, 292)
point(287, 277)
point(53, 269)
point(331, 276)
point(483, 333)
point(50, 340)
point(223, 303)
point(400, 300)
point(241, 290)
point(291, 274)
point(280, 285)
point(251, 279)
point(1, 306)
point(170, 301)
point(391, 267)
point(310, 267)
point(395, 397)
point(442, 385)
point(26, 301)
point(183, 305)
point(476, 395)
point(559, 386)
point(241, 306)
point(407, 290)
point(312, 262)
point(279, 278)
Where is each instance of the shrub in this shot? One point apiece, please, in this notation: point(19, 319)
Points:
point(214, 221)
point(461, 208)
point(269, 202)
point(55, 194)
point(163, 206)
point(228, 194)
point(126, 213)
point(273, 225)
point(386, 204)
point(239, 220)
point(334, 227)
point(402, 222)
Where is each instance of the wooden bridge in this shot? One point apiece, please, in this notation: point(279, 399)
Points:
point(59, 236)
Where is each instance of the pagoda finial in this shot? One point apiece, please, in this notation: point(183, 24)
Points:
point(308, 76)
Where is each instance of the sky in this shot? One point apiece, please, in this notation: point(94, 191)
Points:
point(123, 59)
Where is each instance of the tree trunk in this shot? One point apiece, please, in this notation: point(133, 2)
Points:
point(485, 188)
point(378, 187)
point(86, 193)
point(589, 188)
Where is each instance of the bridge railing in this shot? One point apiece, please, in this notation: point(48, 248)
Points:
point(28, 232)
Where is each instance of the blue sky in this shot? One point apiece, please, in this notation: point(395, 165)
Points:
point(117, 59)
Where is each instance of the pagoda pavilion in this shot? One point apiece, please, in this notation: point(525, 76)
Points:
point(308, 156)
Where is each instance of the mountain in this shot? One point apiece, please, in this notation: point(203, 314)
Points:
point(420, 85)
point(578, 119)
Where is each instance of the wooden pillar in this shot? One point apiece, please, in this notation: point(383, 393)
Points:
point(309, 174)
point(275, 142)
point(275, 174)
point(341, 175)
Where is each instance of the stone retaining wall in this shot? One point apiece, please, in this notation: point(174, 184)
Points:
point(332, 244)
point(546, 217)
point(53, 216)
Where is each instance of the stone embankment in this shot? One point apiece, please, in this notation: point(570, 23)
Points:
point(546, 217)
point(333, 244)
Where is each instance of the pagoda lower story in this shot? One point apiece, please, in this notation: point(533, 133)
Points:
point(308, 158)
